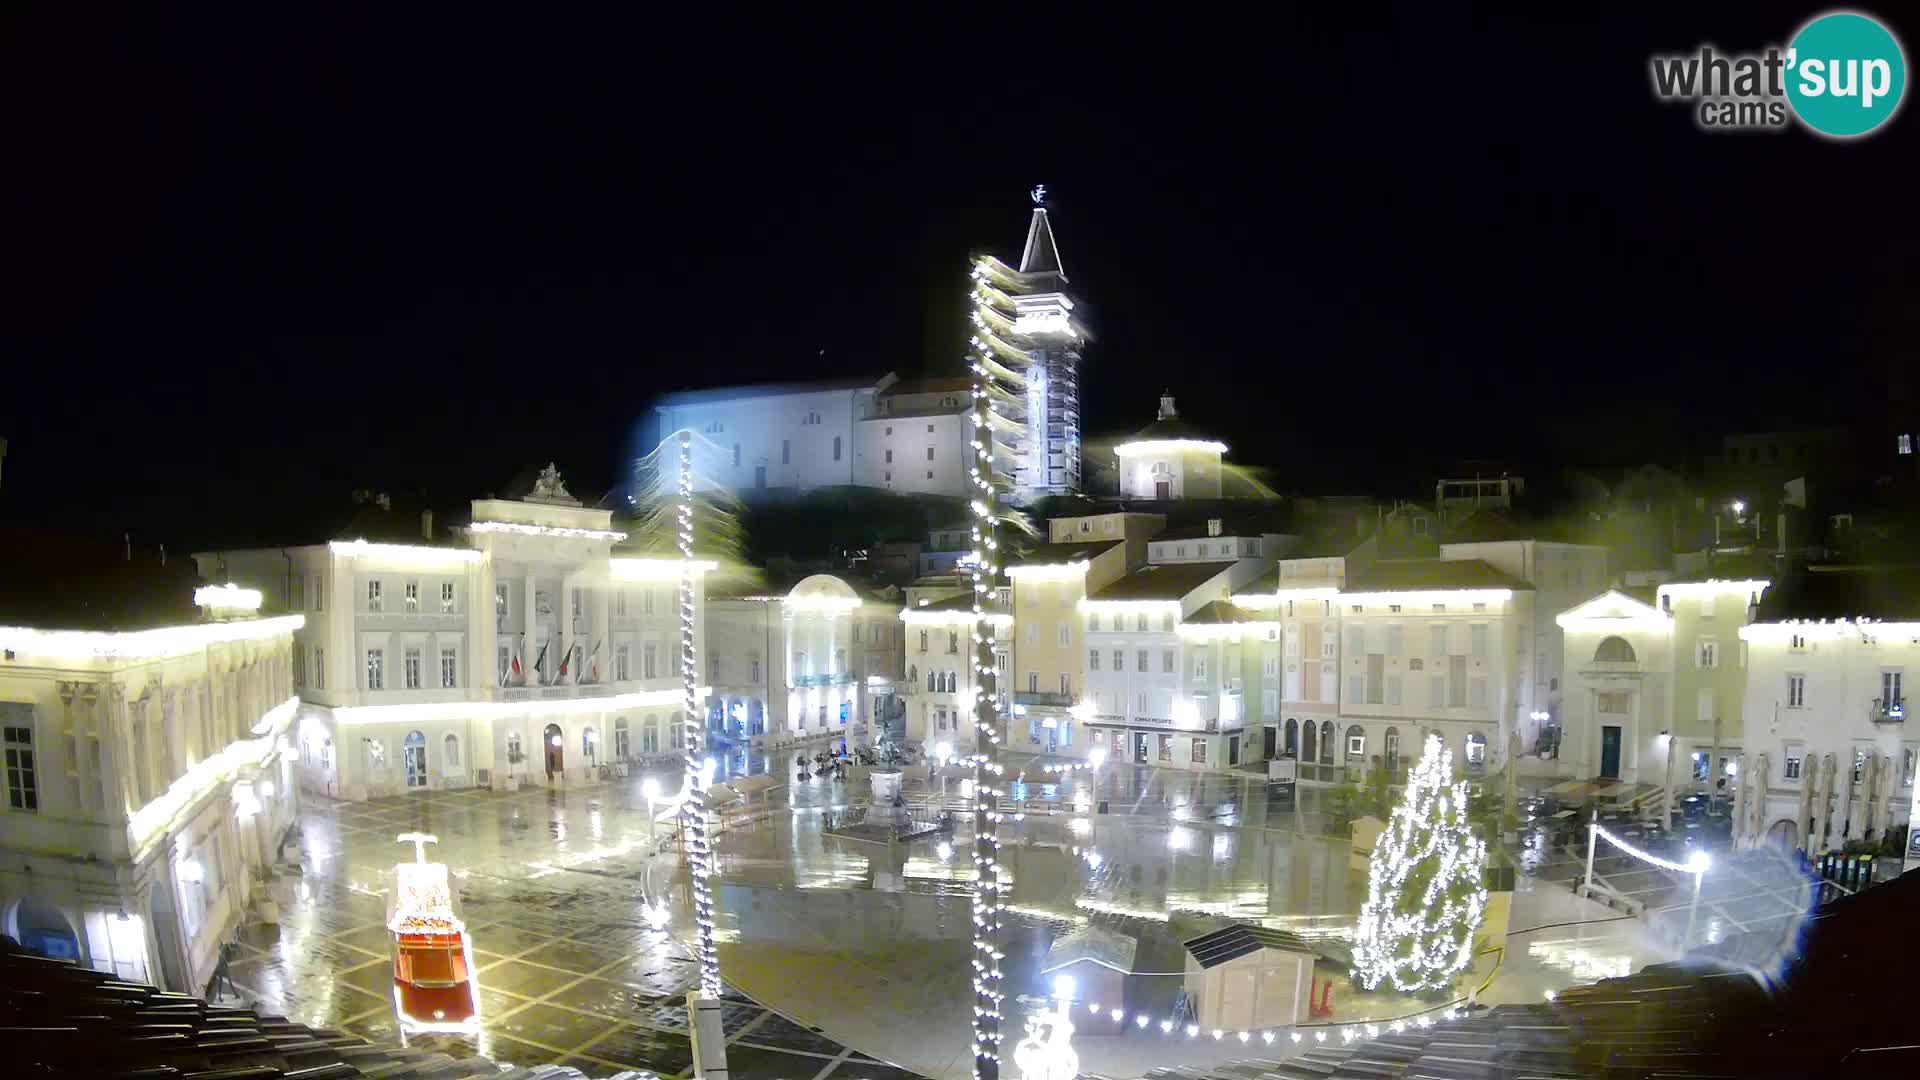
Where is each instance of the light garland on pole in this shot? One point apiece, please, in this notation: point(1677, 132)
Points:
point(694, 810)
point(1425, 896)
point(989, 886)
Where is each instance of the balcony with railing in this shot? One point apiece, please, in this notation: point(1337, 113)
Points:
point(1044, 698)
point(834, 678)
point(1888, 710)
point(559, 691)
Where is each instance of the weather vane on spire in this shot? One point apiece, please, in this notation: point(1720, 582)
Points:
point(1039, 194)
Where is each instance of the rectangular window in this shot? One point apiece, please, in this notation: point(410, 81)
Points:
point(1907, 759)
point(449, 668)
point(1140, 622)
point(1269, 666)
point(953, 641)
point(411, 600)
point(1709, 654)
point(713, 668)
point(929, 453)
point(1033, 682)
point(1270, 703)
point(1066, 635)
point(836, 448)
point(1890, 687)
point(859, 629)
point(1478, 636)
point(649, 661)
point(500, 600)
point(1119, 660)
point(620, 604)
point(576, 603)
point(1166, 661)
point(1166, 748)
point(786, 452)
point(1395, 640)
point(410, 660)
point(1140, 660)
point(622, 662)
point(1790, 761)
point(374, 598)
point(1199, 667)
point(319, 592)
point(23, 774)
point(446, 597)
point(1376, 677)
point(1293, 643)
point(319, 668)
point(1437, 640)
point(1456, 682)
point(376, 669)
point(923, 640)
point(889, 457)
point(504, 663)
point(1093, 659)
point(1199, 751)
point(1066, 684)
point(1796, 691)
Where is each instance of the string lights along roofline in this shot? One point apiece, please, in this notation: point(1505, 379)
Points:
point(546, 530)
point(1145, 447)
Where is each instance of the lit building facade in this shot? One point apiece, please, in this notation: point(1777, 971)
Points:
point(1170, 459)
point(941, 682)
point(1374, 657)
point(525, 652)
point(822, 660)
point(1655, 692)
point(907, 437)
point(149, 773)
point(1829, 757)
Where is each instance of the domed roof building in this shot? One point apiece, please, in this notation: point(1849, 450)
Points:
point(1170, 459)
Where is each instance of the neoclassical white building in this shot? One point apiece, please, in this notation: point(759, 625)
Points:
point(148, 773)
point(940, 685)
point(1829, 757)
point(1655, 690)
point(525, 650)
point(821, 659)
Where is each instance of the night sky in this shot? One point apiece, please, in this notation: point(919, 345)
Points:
point(251, 265)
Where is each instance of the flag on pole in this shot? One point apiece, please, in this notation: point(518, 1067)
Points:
point(513, 674)
point(540, 663)
point(593, 663)
point(566, 659)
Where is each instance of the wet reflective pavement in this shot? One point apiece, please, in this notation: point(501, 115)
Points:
point(839, 943)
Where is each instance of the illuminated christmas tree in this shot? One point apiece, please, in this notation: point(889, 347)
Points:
point(1425, 897)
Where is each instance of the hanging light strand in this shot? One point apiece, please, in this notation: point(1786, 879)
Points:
point(693, 811)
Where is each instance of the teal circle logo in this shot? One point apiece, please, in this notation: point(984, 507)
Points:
point(1845, 74)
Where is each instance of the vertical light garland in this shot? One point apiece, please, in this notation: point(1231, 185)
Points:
point(990, 884)
point(693, 810)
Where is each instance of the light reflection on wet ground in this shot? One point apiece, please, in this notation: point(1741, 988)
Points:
point(866, 941)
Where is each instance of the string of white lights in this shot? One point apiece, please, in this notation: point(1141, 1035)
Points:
point(990, 888)
point(694, 809)
point(1697, 863)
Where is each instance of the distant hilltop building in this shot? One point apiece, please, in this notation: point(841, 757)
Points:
point(1170, 459)
point(909, 437)
point(914, 437)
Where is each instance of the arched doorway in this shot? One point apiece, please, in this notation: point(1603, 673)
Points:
point(1785, 834)
point(555, 743)
point(1293, 736)
point(1392, 746)
point(40, 928)
point(414, 751)
point(1326, 742)
point(1307, 740)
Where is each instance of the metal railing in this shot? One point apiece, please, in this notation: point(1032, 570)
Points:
point(1888, 710)
point(843, 678)
point(1043, 697)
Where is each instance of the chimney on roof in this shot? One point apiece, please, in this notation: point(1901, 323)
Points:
point(426, 524)
point(1166, 406)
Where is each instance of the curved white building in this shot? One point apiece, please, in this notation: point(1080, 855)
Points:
point(1170, 459)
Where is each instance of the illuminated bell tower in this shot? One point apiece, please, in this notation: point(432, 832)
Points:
point(1026, 336)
